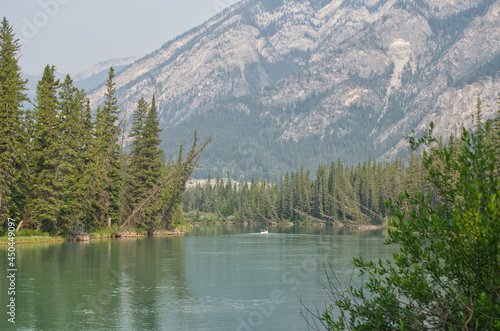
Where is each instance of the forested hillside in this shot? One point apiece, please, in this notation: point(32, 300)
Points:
point(338, 193)
point(290, 84)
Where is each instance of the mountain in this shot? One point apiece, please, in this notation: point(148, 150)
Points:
point(289, 83)
point(97, 74)
point(88, 79)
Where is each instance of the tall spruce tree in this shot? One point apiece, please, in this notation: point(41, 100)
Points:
point(146, 163)
point(108, 178)
point(137, 176)
point(12, 95)
point(152, 141)
point(46, 201)
point(99, 180)
point(70, 126)
point(82, 191)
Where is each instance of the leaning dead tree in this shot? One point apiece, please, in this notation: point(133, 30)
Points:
point(191, 161)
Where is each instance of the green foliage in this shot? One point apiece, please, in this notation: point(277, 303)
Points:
point(202, 217)
point(30, 233)
point(62, 172)
point(102, 232)
point(73, 127)
point(45, 202)
point(338, 194)
point(184, 227)
point(446, 275)
point(146, 166)
point(138, 163)
point(12, 137)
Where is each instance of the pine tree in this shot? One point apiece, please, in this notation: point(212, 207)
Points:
point(108, 179)
point(12, 142)
point(288, 197)
point(146, 160)
point(99, 180)
point(137, 175)
point(280, 207)
point(208, 196)
point(82, 192)
point(70, 108)
point(171, 197)
point(46, 201)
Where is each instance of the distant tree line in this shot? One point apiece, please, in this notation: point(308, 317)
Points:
point(339, 193)
point(64, 169)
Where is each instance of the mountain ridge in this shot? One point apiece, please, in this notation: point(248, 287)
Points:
point(294, 83)
point(88, 79)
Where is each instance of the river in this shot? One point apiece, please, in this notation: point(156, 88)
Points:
point(214, 278)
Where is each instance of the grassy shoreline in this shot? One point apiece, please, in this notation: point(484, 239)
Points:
point(23, 240)
point(35, 237)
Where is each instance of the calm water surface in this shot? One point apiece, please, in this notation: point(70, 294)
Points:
point(214, 278)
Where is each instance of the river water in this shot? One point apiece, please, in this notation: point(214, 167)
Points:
point(214, 278)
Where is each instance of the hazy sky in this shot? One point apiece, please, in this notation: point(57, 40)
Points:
point(74, 34)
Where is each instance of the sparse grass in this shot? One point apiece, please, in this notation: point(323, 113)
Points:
point(32, 233)
point(184, 227)
point(140, 230)
point(201, 217)
point(102, 232)
point(31, 237)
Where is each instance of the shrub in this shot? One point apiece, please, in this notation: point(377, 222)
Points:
point(446, 275)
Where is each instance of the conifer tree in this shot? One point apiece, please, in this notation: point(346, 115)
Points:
point(288, 197)
point(146, 160)
point(280, 208)
point(152, 143)
point(70, 108)
point(108, 177)
point(208, 197)
point(82, 192)
point(137, 169)
point(12, 88)
point(99, 180)
point(46, 202)
point(171, 197)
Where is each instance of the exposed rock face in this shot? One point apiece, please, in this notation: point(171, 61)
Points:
point(349, 77)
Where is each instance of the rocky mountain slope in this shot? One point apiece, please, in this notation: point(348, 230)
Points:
point(290, 83)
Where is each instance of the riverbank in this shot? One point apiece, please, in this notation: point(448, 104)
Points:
point(352, 226)
point(197, 219)
point(4, 241)
point(203, 218)
point(35, 237)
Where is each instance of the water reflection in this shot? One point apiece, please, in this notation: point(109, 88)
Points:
point(214, 278)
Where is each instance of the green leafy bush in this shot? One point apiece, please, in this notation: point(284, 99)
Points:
point(447, 273)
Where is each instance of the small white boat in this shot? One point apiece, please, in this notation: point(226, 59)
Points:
point(264, 230)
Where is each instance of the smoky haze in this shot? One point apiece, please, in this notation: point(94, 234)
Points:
point(74, 34)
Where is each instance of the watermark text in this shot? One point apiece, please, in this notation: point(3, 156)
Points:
point(11, 271)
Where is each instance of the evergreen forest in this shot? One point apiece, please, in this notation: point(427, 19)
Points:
point(63, 167)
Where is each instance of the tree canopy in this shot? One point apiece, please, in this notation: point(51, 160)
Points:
point(64, 170)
